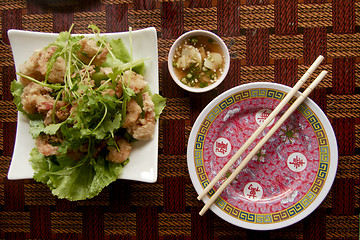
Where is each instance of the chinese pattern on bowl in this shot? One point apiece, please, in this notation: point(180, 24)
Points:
point(284, 178)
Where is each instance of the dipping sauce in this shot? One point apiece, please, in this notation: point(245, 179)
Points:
point(198, 61)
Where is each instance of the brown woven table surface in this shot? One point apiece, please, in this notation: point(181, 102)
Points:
point(269, 41)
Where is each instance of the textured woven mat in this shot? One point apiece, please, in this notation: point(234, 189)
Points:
point(272, 41)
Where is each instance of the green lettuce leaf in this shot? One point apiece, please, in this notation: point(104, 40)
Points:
point(123, 58)
point(74, 180)
point(16, 89)
point(120, 51)
point(159, 104)
point(36, 127)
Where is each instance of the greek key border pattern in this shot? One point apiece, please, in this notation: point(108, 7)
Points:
point(303, 203)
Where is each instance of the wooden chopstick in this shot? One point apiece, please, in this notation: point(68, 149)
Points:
point(273, 114)
point(291, 109)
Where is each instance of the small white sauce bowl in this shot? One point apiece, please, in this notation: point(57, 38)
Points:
point(197, 33)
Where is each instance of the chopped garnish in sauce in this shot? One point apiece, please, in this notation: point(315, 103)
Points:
point(198, 61)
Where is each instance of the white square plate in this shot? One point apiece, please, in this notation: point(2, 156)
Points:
point(143, 164)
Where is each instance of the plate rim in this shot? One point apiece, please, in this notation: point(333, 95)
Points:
point(331, 173)
point(149, 176)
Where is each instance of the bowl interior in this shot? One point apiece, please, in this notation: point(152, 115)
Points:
point(225, 122)
point(197, 33)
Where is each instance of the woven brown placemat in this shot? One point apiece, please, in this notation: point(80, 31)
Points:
point(270, 41)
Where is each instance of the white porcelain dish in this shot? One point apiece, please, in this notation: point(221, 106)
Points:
point(289, 177)
point(197, 33)
point(143, 164)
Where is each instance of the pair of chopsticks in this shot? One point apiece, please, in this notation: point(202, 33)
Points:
point(276, 126)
